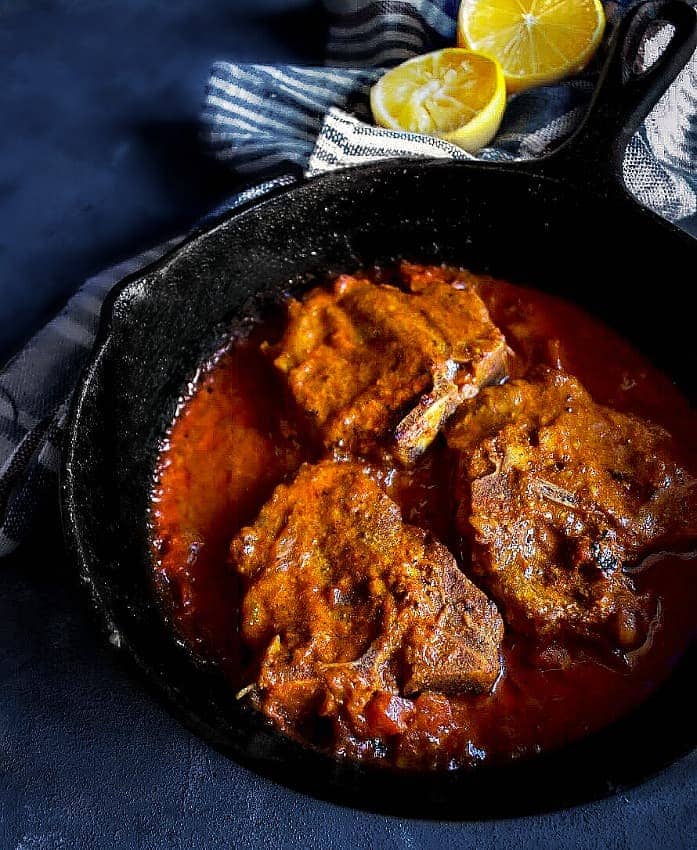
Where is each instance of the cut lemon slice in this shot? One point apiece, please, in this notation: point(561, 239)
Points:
point(536, 41)
point(452, 93)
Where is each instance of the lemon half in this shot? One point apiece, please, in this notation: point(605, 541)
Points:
point(536, 41)
point(453, 93)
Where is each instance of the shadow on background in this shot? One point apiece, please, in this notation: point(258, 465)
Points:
point(190, 181)
point(303, 31)
point(104, 158)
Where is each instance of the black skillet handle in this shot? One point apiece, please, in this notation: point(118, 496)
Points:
point(624, 96)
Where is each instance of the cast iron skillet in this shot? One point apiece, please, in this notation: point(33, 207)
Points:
point(565, 224)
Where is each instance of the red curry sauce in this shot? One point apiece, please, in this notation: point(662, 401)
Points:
point(232, 442)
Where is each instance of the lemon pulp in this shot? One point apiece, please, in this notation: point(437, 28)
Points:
point(453, 93)
point(536, 41)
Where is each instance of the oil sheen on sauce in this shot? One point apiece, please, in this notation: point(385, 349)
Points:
point(230, 445)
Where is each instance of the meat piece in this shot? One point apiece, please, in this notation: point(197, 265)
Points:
point(369, 363)
point(559, 495)
point(343, 600)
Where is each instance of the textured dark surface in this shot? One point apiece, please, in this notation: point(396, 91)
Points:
point(99, 156)
point(87, 759)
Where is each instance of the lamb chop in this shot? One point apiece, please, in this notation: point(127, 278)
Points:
point(369, 363)
point(556, 496)
point(343, 602)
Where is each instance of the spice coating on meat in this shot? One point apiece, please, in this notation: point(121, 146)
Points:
point(344, 603)
point(333, 655)
point(560, 494)
point(370, 363)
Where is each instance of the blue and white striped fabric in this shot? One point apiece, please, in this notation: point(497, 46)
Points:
point(35, 391)
point(268, 121)
point(318, 118)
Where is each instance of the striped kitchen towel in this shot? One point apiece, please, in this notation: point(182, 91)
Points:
point(288, 120)
point(316, 119)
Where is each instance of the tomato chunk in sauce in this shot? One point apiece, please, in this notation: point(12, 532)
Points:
point(431, 519)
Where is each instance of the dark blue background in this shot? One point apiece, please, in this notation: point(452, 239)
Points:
point(99, 158)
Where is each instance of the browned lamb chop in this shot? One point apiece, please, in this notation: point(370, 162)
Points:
point(556, 496)
point(344, 602)
point(371, 364)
